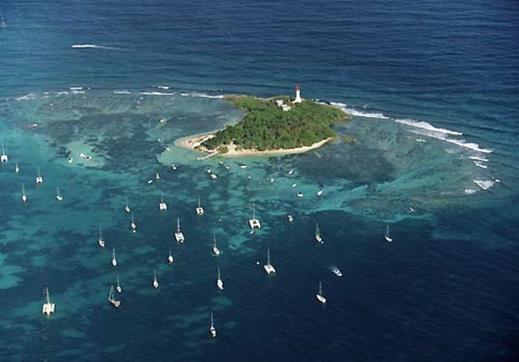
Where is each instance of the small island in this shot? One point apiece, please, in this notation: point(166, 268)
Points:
point(271, 126)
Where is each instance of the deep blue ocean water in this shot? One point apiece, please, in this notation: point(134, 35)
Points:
point(433, 89)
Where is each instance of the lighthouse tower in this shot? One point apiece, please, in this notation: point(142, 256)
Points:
point(298, 95)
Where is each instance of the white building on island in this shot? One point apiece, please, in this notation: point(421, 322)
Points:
point(286, 107)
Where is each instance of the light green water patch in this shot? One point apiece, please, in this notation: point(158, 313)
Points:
point(83, 154)
point(9, 274)
point(72, 333)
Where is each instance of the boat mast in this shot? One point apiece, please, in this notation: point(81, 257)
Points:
point(320, 288)
point(178, 225)
point(212, 320)
point(268, 256)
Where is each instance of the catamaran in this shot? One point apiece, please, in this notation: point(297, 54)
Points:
point(133, 225)
point(199, 209)
point(269, 268)
point(318, 237)
point(114, 260)
point(118, 287)
point(216, 251)
point(387, 236)
point(253, 222)
point(100, 240)
point(48, 308)
point(155, 281)
point(39, 178)
point(59, 196)
point(24, 194)
point(170, 258)
point(212, 329)
point(219, 281)
point(127, 207)
point(319, 295)
point(162, 205)
point(3, 156)
point(116, 303)
point(179, 236)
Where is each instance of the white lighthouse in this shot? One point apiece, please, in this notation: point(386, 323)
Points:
point(298, 95)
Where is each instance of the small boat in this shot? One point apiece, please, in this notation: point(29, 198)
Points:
point(170, 258)
point(157, 176)
point(163, 120)
point(59, 196)
point(127, 207)
point(216, 251)
point(39, 178)
point(16, 168)
point(387, 236)
point(155, 281)
point(213, 176)
point(242, 165)
point(133, 225)
point(318, 237)
point(114, 260)
point(114, 302)
point(162, 204)
point(24, 195)
point(70, 160)
point(118, 287)
point(150, 182)
point(294, 185)
point(48, 308)
point(272, 180)
point(319, 193)
point(101, 241)
point(3, 156)
point(212, 329)
point(319, 295)
point(290, 218)
point(300, 194)
point(290, 172)
point(269, 268)
point(199, 209)
point(179, 236)
point(173, 167)
point(219, 281)
point(253, 222)
point(335, 270)
point(227, 167)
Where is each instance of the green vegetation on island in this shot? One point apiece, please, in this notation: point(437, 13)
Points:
point(266, 126)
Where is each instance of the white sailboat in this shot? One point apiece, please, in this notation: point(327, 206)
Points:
point(216, 251)
point(219, 281)
point(114, 260)
point(16, 168)
point(127, 207)
point(335, 270)
point(269, 268)
point(3, 156)
point(387, 236)
point(59, 196)
point(114, 302)
point(118, 287)
point(179, 236)
point(48, 308)
point(24, 194)
point(39, 178)
point(100, 240)
point(212, 329)
point(170, 258)
point(155, 281)
point(162, 205)
point(199, 209)
point(253, 222)
point(157, 176)
point(133, 225)
point(319, 295)
point(318, 237)
point(319, 193)
point(290, 218)
point(290, 172)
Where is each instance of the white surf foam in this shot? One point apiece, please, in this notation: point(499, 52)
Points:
point(484, 184)
point(470, 145)
point(26, 97)
point(124, 91)
point(479, 164)
point(165, 87)
point(358, 113)
point(470, 191)
point(427, 126)
point(202, 95)
point(91, 46)
point(157, 93)
point(477, 158)
point(75, 88)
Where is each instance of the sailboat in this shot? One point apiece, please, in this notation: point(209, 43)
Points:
point(127, 207)
point(3, 156)
point(118, 287)
point(269, 268)
point(16, 168)
point(216, 251)
point(59, 196)
point(155, 281)
point(157, 176)
point(116, 303)
point(318, 237)
point(387, 236)
point(133, 225)
point(170, 258)
point(48, 308)
point(162, 205)
point(319, 295)
point(100, 240)
point(219, 281)
point(212, 329)
point(24, 195)
point(39, 178)
point(290, 218)
point(179, 236)
point(114, 260)
point(253, 222)
point(199, 210)
point(319, 193)
point(335, 270)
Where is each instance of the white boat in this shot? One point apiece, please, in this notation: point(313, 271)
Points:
point(101, 241)
point(216, 251)
point(127, 207)
point(318, 237)
point(300, 194)
point(319, 193)
point(70, 160)
point(319, 295)
point(269, 268)
point(294, 185)
point(242, 165)
point(133, 225)
point(162, 205)
point(59, 196)
point(3, 156)
point(155, 281)
point(114, 260)
point(219, 281)
point(179, 236)
point(253, 222)
point(170, 258)
point(212, 329)
point(387, 235)
point(39, 178)
point(118, 287)
point(199, 209)
point(150, 182)
point(48, 308)
point(157, 176)
point(335, 270)
point(114, 302)
point(213, 176)
point(290, 172)
point(16, 168)
point(24, 195)
point(173, 167)
point(290, 218)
